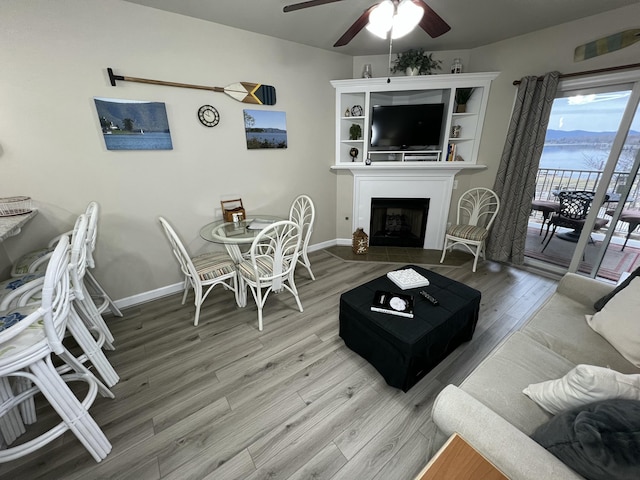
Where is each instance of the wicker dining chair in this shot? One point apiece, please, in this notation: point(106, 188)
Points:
point(303, 213)
point(203, 272)
point(271, 264)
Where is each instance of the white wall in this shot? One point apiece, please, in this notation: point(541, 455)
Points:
point(54, 57)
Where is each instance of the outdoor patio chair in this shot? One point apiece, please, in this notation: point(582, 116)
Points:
point(547, 208)
point(574, 208)
point(632, 217)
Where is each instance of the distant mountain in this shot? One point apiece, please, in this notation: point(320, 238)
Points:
point(583, 136)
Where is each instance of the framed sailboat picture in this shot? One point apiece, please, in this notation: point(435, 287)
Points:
point(133, 124)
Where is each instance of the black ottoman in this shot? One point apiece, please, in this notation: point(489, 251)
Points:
point(404, 349)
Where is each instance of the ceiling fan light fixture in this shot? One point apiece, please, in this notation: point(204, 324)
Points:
point(400, 18)
point(407, 17)
point(381, 19)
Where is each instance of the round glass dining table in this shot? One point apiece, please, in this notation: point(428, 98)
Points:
point(235, 234)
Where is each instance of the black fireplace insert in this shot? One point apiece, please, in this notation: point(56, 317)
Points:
point(398, 222)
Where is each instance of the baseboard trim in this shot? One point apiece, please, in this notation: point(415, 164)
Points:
point(151, 295)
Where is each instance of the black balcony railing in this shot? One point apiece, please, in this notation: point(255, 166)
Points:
point(549, 181)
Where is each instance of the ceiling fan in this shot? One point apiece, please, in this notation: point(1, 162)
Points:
point(397, 16)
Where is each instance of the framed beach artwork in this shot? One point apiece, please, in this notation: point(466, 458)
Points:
point(133, 124)
point(265, 129)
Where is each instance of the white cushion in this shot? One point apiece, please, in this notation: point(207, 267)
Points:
point(582, 385)
point(619, 322)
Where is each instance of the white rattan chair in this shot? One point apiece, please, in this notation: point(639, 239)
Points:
point(30, 335)
point(36, 261)
point(85, 303)
point(303, 213)
point(203, 271)
point(98, 294)
point(271, 264)
point(82, 329)
point(477, 209)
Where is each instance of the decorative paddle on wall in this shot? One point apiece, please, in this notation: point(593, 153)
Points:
point(608, 44)
point(244, 92)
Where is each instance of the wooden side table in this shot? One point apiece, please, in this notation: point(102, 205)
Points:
point(457, 460)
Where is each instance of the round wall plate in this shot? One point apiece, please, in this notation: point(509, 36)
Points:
point(356, 111)
point(208, 116)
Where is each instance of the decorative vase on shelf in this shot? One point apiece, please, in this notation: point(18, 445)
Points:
point(456, 67)
point(412, 71)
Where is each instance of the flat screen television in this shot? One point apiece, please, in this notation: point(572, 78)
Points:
point(406, 127)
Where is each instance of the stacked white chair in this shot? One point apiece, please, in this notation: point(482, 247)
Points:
point(84, 319)
point(271, 264)
point(31, 334)
point(36, 260)
point(94, 300)
point(203, 271)
point(91, 324)
point(303, 213)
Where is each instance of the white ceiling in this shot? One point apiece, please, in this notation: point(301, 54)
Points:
point(473, 22)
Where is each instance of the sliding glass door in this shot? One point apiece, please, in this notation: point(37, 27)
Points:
point(619, 251)
point(591, 146)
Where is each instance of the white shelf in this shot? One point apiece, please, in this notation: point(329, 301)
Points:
point(412, 90)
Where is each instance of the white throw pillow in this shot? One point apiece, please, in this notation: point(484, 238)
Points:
point(619, 322)
point(582, 385)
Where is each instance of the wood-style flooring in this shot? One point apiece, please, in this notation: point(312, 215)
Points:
point(225, 401)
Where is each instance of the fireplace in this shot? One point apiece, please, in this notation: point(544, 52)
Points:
point(398, 222)
point(434, 181)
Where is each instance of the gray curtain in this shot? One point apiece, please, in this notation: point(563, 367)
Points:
point(516, 177)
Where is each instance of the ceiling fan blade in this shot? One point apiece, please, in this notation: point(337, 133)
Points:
point(354, 29)
point(310, 3)
point(431, 22)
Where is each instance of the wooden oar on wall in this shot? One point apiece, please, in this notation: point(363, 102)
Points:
point(244, 92)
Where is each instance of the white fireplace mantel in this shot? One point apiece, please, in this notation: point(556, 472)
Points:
point(433, 181)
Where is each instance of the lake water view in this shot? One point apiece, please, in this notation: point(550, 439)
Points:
point(147, 141)
point(572, 157)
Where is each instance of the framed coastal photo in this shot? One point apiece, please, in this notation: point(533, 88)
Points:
point(133, 124)
point(265, 129)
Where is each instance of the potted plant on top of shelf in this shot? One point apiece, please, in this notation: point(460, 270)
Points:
point(462, 97)
point(416, 61)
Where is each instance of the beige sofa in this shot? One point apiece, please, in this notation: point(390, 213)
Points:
point(489, 409)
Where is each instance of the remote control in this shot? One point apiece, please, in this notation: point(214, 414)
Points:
point(429, 297)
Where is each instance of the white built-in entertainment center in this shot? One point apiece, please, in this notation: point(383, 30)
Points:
point(409, 173)
point(361, 95)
